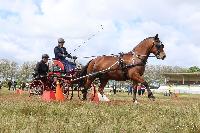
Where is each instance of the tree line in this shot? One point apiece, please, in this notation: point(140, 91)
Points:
point(11, 70)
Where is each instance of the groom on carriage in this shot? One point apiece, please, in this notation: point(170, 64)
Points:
point(41, 69)
point(61, 54)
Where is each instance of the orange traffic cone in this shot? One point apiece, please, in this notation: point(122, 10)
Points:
point(19, 91)
point(59, 93)
point(48, 96)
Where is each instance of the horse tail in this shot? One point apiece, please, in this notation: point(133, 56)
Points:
point(83, 72)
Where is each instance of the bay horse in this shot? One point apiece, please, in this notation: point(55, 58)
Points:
point(126, 66)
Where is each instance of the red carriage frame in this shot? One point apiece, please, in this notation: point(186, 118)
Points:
point(56, 73)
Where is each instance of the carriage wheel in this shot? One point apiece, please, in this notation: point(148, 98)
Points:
point(66, 90)
point(36, 87)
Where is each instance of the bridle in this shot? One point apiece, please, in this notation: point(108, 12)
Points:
point(157, 43)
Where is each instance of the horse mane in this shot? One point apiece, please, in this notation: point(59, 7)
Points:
point(142, 42)
point(131, 52)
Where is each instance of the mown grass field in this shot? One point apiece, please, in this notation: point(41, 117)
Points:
point(20, 113)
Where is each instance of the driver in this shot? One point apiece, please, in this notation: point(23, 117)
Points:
point(61, 53)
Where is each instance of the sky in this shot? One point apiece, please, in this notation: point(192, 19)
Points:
point(30, 28)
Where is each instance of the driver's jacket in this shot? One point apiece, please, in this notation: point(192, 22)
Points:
point(61, 53)
point(41, 69)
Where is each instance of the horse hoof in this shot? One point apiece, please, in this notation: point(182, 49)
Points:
point(135, 102)
point(152, 98)
point(101, 92)
point(150, 95)
point(84, 99)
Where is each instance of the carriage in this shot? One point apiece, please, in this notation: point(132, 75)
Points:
point(56, 74)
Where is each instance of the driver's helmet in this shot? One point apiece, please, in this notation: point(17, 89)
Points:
point(61, 40)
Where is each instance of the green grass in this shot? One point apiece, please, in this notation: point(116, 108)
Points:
point(20, 113)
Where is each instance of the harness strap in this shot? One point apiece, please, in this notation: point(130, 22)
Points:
point(123, 66)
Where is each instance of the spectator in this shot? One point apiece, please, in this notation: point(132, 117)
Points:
point(23, 85)
point(9, 84)
point(14, 85)
point(142, 89)
point(170, 89)
point(114, 88)
point(130, 89)
point(0, 84)
point(139, 89)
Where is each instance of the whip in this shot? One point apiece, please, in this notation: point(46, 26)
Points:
point(90, 37)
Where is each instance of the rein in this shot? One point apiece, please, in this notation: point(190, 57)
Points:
point(98, 56)
point(93, 56)
point(95, 73)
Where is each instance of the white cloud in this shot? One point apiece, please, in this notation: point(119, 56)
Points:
point(33, 31)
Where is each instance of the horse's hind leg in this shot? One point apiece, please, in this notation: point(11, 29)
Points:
point(86, 87)
point(103, 83)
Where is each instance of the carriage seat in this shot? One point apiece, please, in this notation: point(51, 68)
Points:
point(60, 64)
point(57, 66)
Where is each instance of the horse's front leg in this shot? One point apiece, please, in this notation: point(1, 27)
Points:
point(134, 93)
point(150, 94)
point(140, 79)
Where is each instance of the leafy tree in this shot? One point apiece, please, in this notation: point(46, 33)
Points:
point(154, 72)
point(8, 69)
point(194, 69)
point(12, 71)
point(25, 71)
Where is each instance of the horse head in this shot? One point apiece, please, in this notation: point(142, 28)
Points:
point(157, 48)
